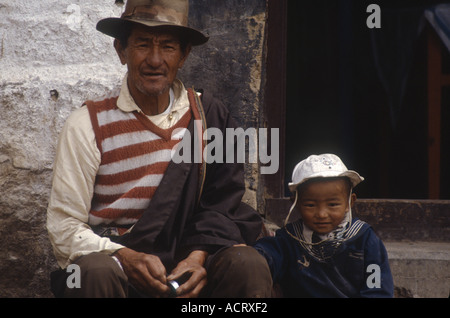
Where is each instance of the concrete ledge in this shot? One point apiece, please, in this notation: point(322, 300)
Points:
point(395, 220)
point(420, 269)
point(419, 250)
point(415, 220)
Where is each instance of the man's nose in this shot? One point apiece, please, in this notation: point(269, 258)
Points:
point(154, 57)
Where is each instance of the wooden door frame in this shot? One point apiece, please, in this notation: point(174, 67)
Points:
point(275, 90)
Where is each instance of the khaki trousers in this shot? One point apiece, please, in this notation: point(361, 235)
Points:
point(235, 272)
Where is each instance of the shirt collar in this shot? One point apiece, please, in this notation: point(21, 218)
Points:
point(126, 102)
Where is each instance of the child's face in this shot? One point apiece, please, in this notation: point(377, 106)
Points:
point(323, 204)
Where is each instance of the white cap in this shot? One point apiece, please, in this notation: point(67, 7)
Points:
point(322, 166)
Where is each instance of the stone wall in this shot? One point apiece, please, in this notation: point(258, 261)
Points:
point(51, 60)
point(231, 64)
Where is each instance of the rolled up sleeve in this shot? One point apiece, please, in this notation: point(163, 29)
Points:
point(76, 164)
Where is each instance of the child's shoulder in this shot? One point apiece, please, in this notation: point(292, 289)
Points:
point(363, 231)
point(357, 228)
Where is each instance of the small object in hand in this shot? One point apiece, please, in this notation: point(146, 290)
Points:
point(175, 284)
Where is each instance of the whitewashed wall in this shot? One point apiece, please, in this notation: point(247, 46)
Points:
point(46, 46)
point(52, 59)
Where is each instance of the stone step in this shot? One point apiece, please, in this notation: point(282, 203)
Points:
point(420, 269)
point(394, 220)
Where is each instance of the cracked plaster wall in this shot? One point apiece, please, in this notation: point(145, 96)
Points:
point(51, 60)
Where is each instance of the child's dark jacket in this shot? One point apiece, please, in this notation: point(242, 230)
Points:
point(346, 274)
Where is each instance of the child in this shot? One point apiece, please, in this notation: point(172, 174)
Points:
point(326, 253)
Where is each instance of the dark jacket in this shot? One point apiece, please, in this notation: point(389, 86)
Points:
point(346, 274)
point(175, 224)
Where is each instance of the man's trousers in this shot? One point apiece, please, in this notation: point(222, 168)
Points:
point(235, 272)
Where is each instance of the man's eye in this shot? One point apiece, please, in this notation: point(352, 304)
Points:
point(141, 44)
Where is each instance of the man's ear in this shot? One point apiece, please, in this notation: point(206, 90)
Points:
point(120, 51)
point(184, 58)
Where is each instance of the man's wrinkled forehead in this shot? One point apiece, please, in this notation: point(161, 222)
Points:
point(141, 32)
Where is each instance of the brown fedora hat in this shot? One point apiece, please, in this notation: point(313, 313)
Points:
point(171, 14)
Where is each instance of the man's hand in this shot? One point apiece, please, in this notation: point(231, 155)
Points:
point(192, 264)
point(145, 272)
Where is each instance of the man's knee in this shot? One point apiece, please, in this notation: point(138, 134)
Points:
point(243, 261)
point(240, 271)
point(100, 276)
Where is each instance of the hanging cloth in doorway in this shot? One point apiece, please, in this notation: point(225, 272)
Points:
point(393, 48)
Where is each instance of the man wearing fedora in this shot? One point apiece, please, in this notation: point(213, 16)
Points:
point(134, 222)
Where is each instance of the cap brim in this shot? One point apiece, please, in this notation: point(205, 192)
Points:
point(114, 26)
point(354, 177)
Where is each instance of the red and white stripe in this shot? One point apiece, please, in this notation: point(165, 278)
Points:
point(134, 157)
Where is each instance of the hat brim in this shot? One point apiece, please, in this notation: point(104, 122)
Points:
point(354, 177)
point(114, 26)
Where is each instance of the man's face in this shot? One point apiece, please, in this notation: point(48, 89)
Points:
point(153, 60)
point(323, 204)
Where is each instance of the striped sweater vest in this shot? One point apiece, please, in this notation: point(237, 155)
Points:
point(135, 154)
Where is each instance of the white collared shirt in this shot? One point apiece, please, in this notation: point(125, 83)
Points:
point(75, 168)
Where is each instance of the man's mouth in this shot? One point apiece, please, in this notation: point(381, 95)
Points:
point(153, 74)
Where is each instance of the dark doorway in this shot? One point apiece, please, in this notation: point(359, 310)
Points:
point(341, 94)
